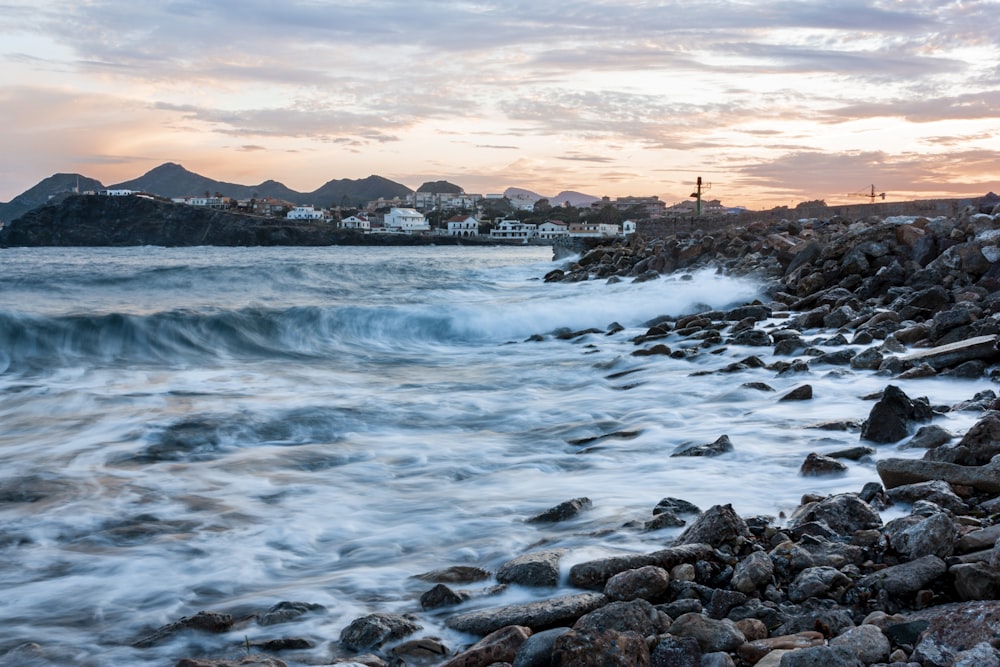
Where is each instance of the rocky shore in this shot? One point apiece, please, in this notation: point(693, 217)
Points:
point(833, 584)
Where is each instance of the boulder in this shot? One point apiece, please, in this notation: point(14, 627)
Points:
point(753, 572)
point(935, 491)
point(821, 656)
point(976, 581)
point(916, 536)
point(721, 446)
point(711, 634)
point(541, 614)
point(536, 651)
point(633, 616)
point(600, 648)
point(562, 511)
point(534, 569)
point(979, 445)
point(953, 354)
point(954, 628)
point(816, 582)
point(499, 646)
point(646, 583)
point(818, 464)
point(928, 437)
point(905, 579)
point(374, 630)
point(890, 418)
point(843, 513)
point(897, 472)
point(442, 596)
point(867, 642)
point(671, 651)
point(716, 526)
point(595, 574)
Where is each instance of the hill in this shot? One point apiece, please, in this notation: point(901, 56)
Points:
point(52, 189)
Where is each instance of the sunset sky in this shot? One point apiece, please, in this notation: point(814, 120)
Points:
point(772, 102)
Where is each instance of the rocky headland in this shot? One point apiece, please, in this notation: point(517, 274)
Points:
point(832, 584)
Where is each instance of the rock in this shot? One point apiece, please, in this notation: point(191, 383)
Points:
point(711, 634)
point(499, 646)
point(535, 569)
point(562, 511)
point(844, 514)
point(976, 581)
point(663, 520)
point(979, 445)
point(673, 651)
point(935, 491)
point(946, 356)
point(867, 642)
point(247, 661)
point(905, 579)
point(752, 337)
point(978, 540)
point(916, 536)
point(928, 437)
point(536, 651)
point(753, 629)
point(980, 655)
point(442, 596)
point(677, 506)
point(717, 659)
point(541, 614)
point(374, 630)
point(633, 616)
point(424, 649)
point(954, 628)
point(891, 416)
point(648, 583)
point(753, 651)
point(600, 648)
point(815, 582)
point(897, 472)
point(753, 572)
point(721, 446)
point(595, 574)
point(821, 656)
point(801, 393)
point(817, 464)
point(284, 612)
point(723, 601)
point(852, 453)
point(203, 621)
point(716, 526)
point(458, 574)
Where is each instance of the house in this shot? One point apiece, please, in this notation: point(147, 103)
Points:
point(359, 221)
point(628, 227)
point(462, 225)
point(304, 213)
point(552, 229)
point(118, 193)
point(406, 221)
point(514, 229)
point(209, 202)
point(593, 229)
point(270, 206)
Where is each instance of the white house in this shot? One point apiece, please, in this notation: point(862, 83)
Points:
point(406, 220)
point(514, 229)
point(552, 229)
point(593, 229)
point(118, 193)
point(462, 225)
point(304, 213)
point(356, 222)
point(628, 227)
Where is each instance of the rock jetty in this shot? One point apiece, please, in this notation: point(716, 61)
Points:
point(833, 584)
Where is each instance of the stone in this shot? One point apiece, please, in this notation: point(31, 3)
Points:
point(247, 661)
point(917, 536)
point(816, 465)
point(891, 416)
point(722, 601)
point(442, 596)
point(936, 491)
point(662, 520)
point(852, 453)
point(204, 621)
point(534, 569)
point(753, 572)
point(980, 655)
point(711, 634)
point(976, 581)
point(843, 513)
point(594, 574)
point(867, 642)
point(536, 651)
point(541, 614)
point(677, 506)
point(821, 656)
point(429, 648)
point(955, 628)
point(800, 393)
point(648, 583)
point(905, 579)
point(978, 540)
point(717, 659)
point(752, 628)
point(600, 648)
point(979, 445)
point(374, 630)
point(458, 574)
point(499, 646)
point(897, 472)
point(716, 526)
point(284, 612)
point(816, 582)
point(953, 354)
point(722, 445)
point(673, 651)
point(754, 651)
point(633, 616)
point(563, 511)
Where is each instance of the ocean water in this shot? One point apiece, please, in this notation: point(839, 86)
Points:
point(227, 428)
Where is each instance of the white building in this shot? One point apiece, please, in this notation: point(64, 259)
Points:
point(356, 222)
point(118, 193)
point(462, 225)
point(304, 213)
point(514, 229)
point(406, 220)
point(593, 229)
point(552, 229)
point(628, 227)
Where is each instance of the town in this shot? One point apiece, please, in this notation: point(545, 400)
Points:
point(519, 218)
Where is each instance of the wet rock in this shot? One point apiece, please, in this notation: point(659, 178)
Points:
point(499, 646)
point(422, 650)
point(928, 437)
point(600, 648)
point(935, 491)
point(977, 447)
point(442, 596)
point(753, 572)
point(536, 651)
point(711, 634)
point(647, 583)
point(801, 393)
point(458, 574)
point(852, 453)
point(752, 628)
point(203, 621)
point(595, 574)
point(976, 581)
point(534, 569)
point(541, 614)
point(819, 615)
point(844, 514)
point(374, 630)
point(954, 628)
point(663, 520)
point(562, 511)
point(916, 536)
point(248, 661)
point(721, 446)
point(897, 472)
point(890, 418)
point(716, 526)
point(945, 356)
point(673, 651)
point(867, 642)
point(677, 506)
point(632, 616)
point(818, 464)
point(284, 644)
point(816, 582)
point(870, 359)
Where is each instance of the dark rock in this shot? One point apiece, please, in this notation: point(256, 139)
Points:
point(928, 437)
point(285, 644)
point(499, 646)
point(677, 506)
point(844, 514)
point(625, 616)
point(976, 581)
point(754, 650)
point(936, 491)
point(752, 337)
point(536, 651)
point(458, 574)
point(664, 519)
point(442, 596)
point(721, 446)
point(723, 601)
point(716, 526)
point(374, 630)
point(248, 661)
point(534, 569)
point(916, 536)
point(945, 356)
point(897, 472)
point(821, 656)
point(203, 621)
point(816, 582)
point(423, 649)
point(535, 615)
point(646, 583)
point(817, 464)
point(904, 579)
point(979, 445)
point(595, 574)
point(284, 612)
point(954, 628)
point(852, 453)
point(597, 648)
point(711, 634)
point(562, 511)
point(891, 416)
point(801, 393)
point(673, 651)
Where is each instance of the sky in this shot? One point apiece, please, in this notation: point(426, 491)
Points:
point(770, 102)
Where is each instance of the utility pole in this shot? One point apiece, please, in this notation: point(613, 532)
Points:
point(701, 187)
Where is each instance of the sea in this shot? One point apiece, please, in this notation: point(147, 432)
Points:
point(225, 429)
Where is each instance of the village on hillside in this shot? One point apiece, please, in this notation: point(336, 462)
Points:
point(457, 214)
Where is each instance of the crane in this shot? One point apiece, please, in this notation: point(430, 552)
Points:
point(872, 195)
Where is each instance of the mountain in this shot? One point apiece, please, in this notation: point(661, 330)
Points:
point(173, 180)
point(436, 187)
point(577, 199)
point(52, 189)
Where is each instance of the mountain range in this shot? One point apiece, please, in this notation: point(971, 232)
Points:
point(172, 180)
